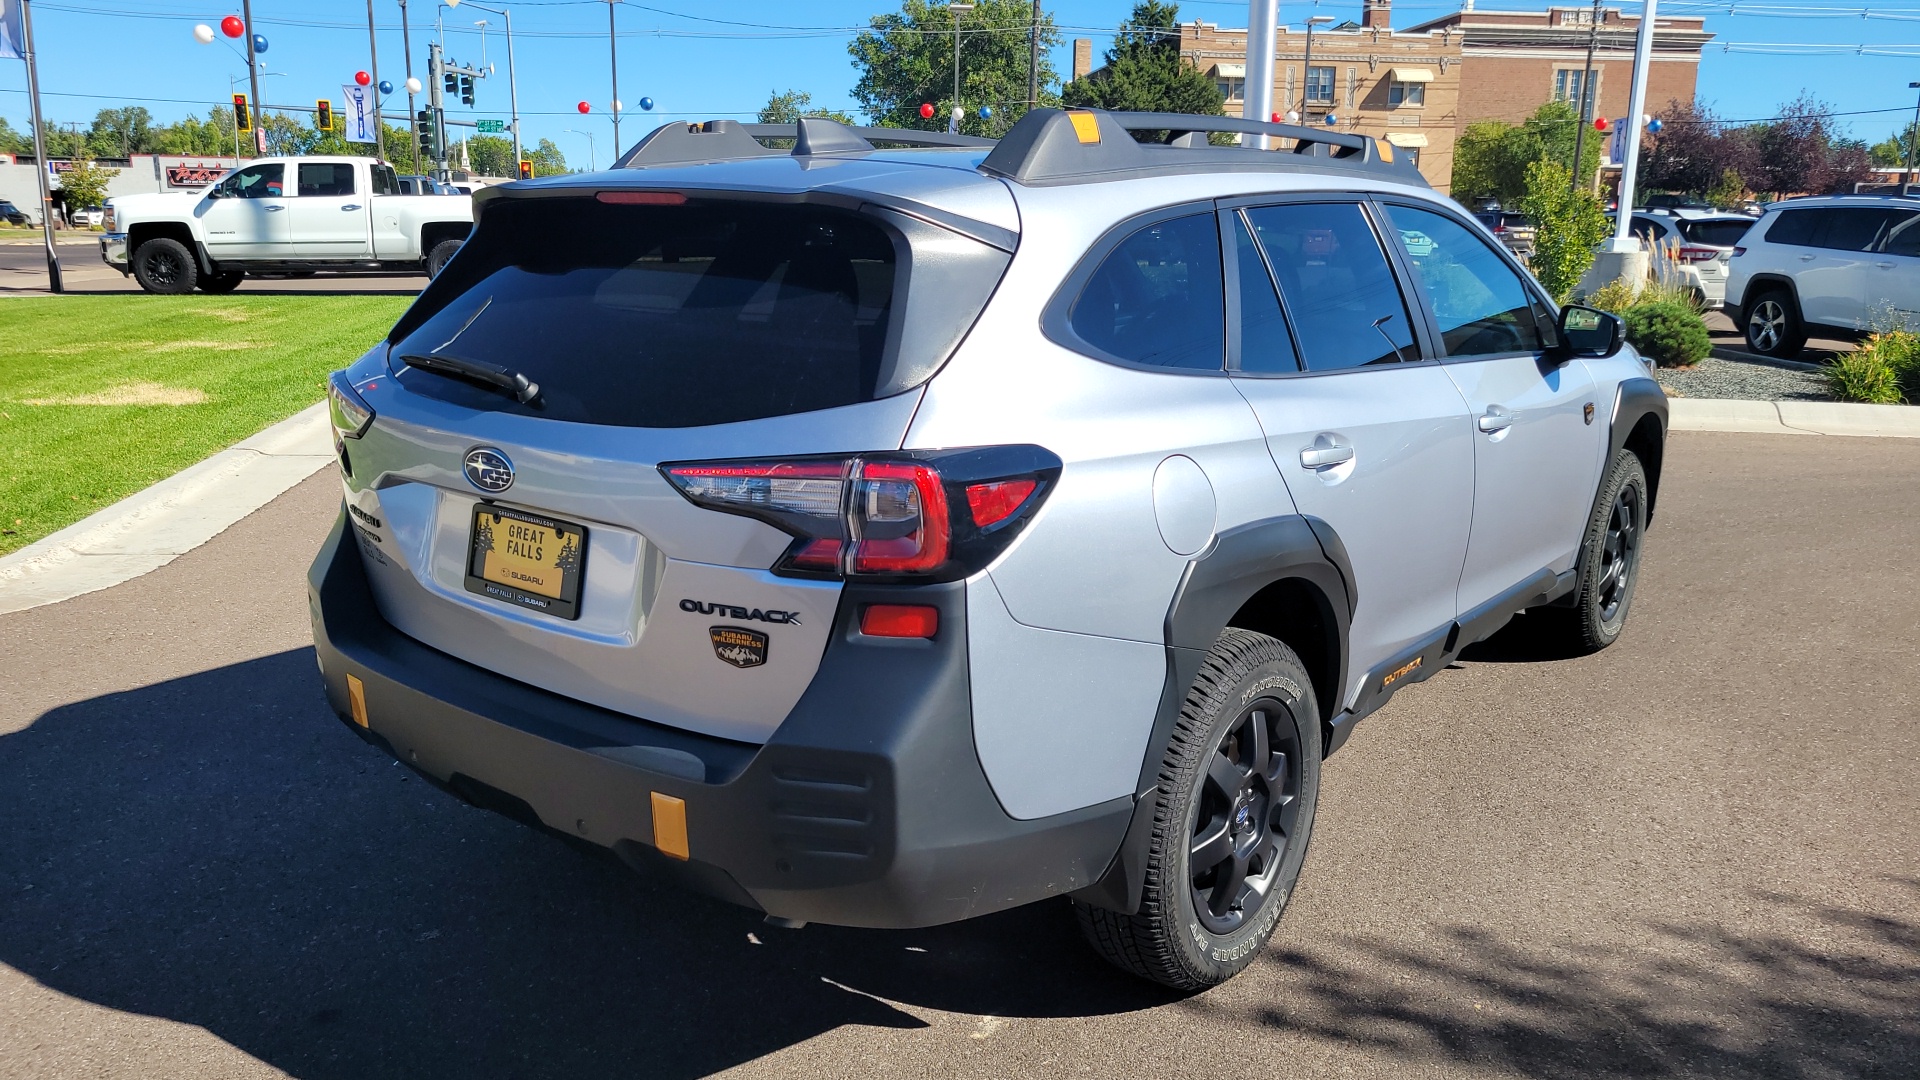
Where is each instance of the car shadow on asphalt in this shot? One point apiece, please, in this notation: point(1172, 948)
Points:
point(1839, 996)
point(219, 851)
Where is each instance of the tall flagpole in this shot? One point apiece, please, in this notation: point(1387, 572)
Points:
point(253, 81)
point(613, 60)
point(379, 127)
point(40, 150)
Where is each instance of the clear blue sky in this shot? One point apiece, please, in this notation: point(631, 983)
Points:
point(692, 59)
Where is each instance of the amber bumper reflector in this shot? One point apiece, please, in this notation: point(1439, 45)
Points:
point(1086, 127)
point(670, 825)
point(357, 700)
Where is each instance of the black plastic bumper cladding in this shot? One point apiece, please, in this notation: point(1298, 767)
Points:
point(867, 808)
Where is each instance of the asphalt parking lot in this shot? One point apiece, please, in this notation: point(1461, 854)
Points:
point(1695, 854)
point(23, 270)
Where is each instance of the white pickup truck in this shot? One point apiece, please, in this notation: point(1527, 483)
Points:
point(290, 215)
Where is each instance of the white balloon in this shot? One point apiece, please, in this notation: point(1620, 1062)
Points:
point(203, 34)
point(413, 86)
point(617, 106)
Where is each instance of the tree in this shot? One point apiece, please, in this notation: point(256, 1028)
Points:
point(1889, 153)
point(1567, 224)
point(906, 59)
point(1490, 159)
point(85, 184)
point(122, 132)
point(491, 155)
point(547, 159)
point(1145, 73)
point(212, 137)
point(14, 142)
point(1693, 152)
point(61, 143)
point(1799, 153)
point(794, 104)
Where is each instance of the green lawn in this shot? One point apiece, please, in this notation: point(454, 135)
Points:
point(102, 395)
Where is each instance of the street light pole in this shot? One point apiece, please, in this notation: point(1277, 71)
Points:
point(613, 61)
point(406, 51)
point(956, 9)
point(54, 282)
point(1306, 81)
point(513, 80)
point(1906, 175)
point(373, 53)
point(1262, 19)
point(593, 160)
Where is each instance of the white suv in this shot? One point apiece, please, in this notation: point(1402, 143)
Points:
point(1835, 264)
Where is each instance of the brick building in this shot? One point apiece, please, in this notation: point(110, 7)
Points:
point(1516, 61)
point(1419, 88)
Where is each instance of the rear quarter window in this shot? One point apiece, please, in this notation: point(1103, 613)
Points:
point(1793, 227)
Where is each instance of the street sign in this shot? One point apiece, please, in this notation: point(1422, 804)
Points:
point(491, 127)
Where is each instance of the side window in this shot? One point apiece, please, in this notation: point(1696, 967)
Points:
point(1265, 345)
point(1793, 227)
point(1903, 238)
point(1347, 309)
point(325, 178)
point(1851, 228)
point(1158, 298)
point(385, 181)
point(1482, 306)
point(255, 182)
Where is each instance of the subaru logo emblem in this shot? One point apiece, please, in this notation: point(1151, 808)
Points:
point(488, 469)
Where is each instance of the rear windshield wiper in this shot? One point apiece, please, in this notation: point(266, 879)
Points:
point(512, 383)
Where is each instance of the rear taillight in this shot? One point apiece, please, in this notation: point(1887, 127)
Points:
point(919, 515)
point(1739, 251)
point(1699, 254)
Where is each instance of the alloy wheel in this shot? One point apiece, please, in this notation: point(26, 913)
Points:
point(163, 268)
point(1617, 552)
point(1248, 812)
point(1767, 326)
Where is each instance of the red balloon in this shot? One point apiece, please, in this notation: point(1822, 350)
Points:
point(926, 112)
point(362, 78)
point(584, 108)
point(232, 26)
point(1599, 123)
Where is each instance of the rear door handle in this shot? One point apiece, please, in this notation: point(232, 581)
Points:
point(1495, 420)
point(1326, 450)
point(274, 209)
point(1807, 257)
point(1884, 265)
point(351, 206)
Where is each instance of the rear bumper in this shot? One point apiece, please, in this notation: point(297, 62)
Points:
point(867, 808)
point(113, 251)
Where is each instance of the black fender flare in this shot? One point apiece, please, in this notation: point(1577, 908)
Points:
point(1759, 282)
point(1633, 401)
point(1232, 570)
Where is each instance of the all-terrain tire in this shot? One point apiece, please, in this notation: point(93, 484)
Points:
point(437, 258)
point(1609, 563)
point(222, 283)
point(166, 267)
point(1249, 683)
point(1771, 323)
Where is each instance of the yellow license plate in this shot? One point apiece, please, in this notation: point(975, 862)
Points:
point(526, 559)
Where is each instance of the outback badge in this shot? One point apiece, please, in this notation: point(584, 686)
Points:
point(739, 646)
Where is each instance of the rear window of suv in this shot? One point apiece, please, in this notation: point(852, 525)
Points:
point(1716, 232)
point(709, 312)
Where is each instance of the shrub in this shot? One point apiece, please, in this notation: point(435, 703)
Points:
point(1614, 296)
point(1877, 372)
point(1567, 224)
point(1670, 332)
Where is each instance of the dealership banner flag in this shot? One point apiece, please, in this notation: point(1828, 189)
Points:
point(359, 113)
point(13, 38)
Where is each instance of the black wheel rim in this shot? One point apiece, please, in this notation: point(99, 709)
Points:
point(1248, 813)
point(164, 268)
point(1617, 553)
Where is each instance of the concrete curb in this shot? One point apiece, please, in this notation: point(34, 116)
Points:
point(1794, 417)
point(1723, 352)
point(151, 528)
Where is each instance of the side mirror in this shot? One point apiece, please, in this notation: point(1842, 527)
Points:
point(217, 191)
point(1590, 333)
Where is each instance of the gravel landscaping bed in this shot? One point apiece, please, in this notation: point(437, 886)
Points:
point(1717, 378)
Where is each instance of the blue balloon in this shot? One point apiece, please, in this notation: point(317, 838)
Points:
point(1654, 126)
point(986, 112)
point(259, 43)
point(646, 104)
point(386, 86)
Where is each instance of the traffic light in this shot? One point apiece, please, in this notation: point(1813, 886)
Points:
point(526, 169)
point(424, 126)
point(242, 115)
point(466, 89)
point(323, 115)
point(451, 83)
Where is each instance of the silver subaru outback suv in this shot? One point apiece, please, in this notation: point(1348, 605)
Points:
point(884, 528)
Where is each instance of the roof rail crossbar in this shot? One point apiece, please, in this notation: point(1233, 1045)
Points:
point(1052, 146)
point(730, 140)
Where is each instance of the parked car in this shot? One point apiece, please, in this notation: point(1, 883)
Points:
point(282, 215)
point(1833, 265)
point(87, 217)
point(425, 185)
point(13, 215)
point(906, 536)
point(1697, 243)
point(1511, 228)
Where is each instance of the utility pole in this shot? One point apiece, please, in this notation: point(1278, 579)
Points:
point(406, 53)
point(373, 53)
point(613, 59)
point(436, 104)
point(1263, 17)
point(1033, 60)
point(1906, 175)
point(54, 283)
point(253, 79)
point(1629, 172)
point(1588, 99)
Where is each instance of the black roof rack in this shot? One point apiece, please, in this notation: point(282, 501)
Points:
point(730, 140)
point(1055, 146)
